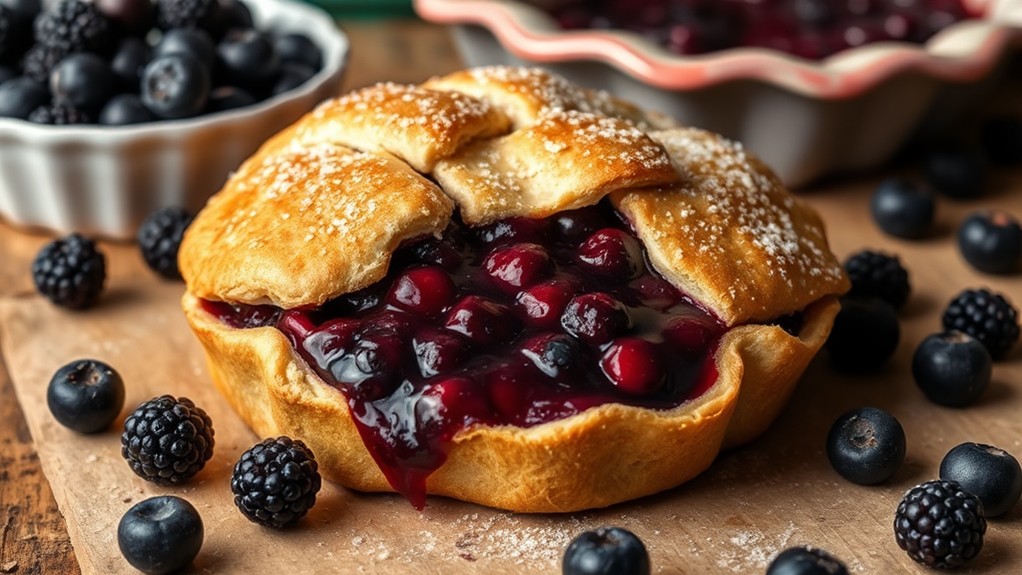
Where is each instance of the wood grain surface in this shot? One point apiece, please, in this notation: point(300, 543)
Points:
point(754, 501)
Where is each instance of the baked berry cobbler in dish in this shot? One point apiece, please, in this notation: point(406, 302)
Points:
point(503, 288)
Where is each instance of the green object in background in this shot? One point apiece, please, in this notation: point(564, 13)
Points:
point(367, 8)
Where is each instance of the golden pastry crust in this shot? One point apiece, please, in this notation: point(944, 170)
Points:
point(308, 219)
point(730, 234)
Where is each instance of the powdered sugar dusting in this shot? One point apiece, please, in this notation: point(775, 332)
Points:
point(751, 551)
point(744, 198)
point(547, 93)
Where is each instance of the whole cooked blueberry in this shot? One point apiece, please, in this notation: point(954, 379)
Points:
point(160, 534)
point(128, 62)
point(190, 41)
point(7, 73)
point(866, 446)
point(85, 80)
point(956, 170)
point(125, 109)
point(952, 368)
point(1001, 137)
point(228, 98)
point(991, 241)
point(298, 49)
point(292, 76)
point(247, 59)
point(606, 551)
point(175, 86)
point(903, 208)
point(806, 560)
point(991, 474)
point(85, 395)
point(20, 96)
point(865, 335)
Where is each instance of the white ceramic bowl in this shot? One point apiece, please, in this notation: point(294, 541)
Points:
point(104, 181)
point(849, 112)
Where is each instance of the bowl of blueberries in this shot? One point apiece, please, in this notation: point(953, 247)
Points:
point(812, 86)
point(112, 109)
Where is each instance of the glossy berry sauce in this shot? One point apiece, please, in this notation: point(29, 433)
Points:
point(811, 29)
point(519, 322)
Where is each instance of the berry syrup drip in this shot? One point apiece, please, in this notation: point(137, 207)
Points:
point(519, 322)
point(811, 29)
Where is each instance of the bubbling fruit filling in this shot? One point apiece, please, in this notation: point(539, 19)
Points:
point(811, 29)
point(519, 323)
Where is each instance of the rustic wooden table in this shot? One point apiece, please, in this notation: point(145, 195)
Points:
point(752, 503)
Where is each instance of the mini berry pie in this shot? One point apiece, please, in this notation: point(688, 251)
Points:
point(500, 287)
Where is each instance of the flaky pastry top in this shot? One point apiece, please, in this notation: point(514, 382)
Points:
point(320, 208)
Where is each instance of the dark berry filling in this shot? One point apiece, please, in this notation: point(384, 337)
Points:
point(808, 28)
point(507, 324)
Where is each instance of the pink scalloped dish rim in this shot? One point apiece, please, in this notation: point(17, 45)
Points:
point(963, 52)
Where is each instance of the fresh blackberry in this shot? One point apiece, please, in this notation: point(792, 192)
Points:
point(876, 274)
point(275, 482)
point(986, 316)
point(59, 112)
point(70, 272)
point(167, 440)
point(40, 60)
point(185, 13)
point(159, 238)
point(74, 26)
point(940, 525)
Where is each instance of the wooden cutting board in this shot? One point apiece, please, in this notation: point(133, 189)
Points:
point(754, 501)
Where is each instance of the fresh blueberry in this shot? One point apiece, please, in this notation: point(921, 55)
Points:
point(866, 446)
point(160, 535)
point(865, 335)
point(903, 208)
point(7, 73)
point(128, 62)
point(247, 59)
point(806, 561)
point(125, 109)
point(991, 474)
point(606, 551)
point(85, 395)
point(20, 96)
point(84, 79)
point(297, 48)
point(175, 86)
point(231, 15)
point(991, 241)
point(291, 76)
point(1001, 137)
point(191, 41)
point(228, 98)
point(956, 170)
point(952, 368)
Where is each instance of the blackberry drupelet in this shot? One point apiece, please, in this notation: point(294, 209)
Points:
point(74, 26)
point(167, 440)
point(40, 60)
point(877, 274)
point(70, 272)
point(940, 525)
point(58, 113)
point(986, 316)
point(185, 13)
point(275, 482)
point(159, 238)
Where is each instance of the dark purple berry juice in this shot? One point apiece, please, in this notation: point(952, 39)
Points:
point(520, 322)
point(811, 29)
